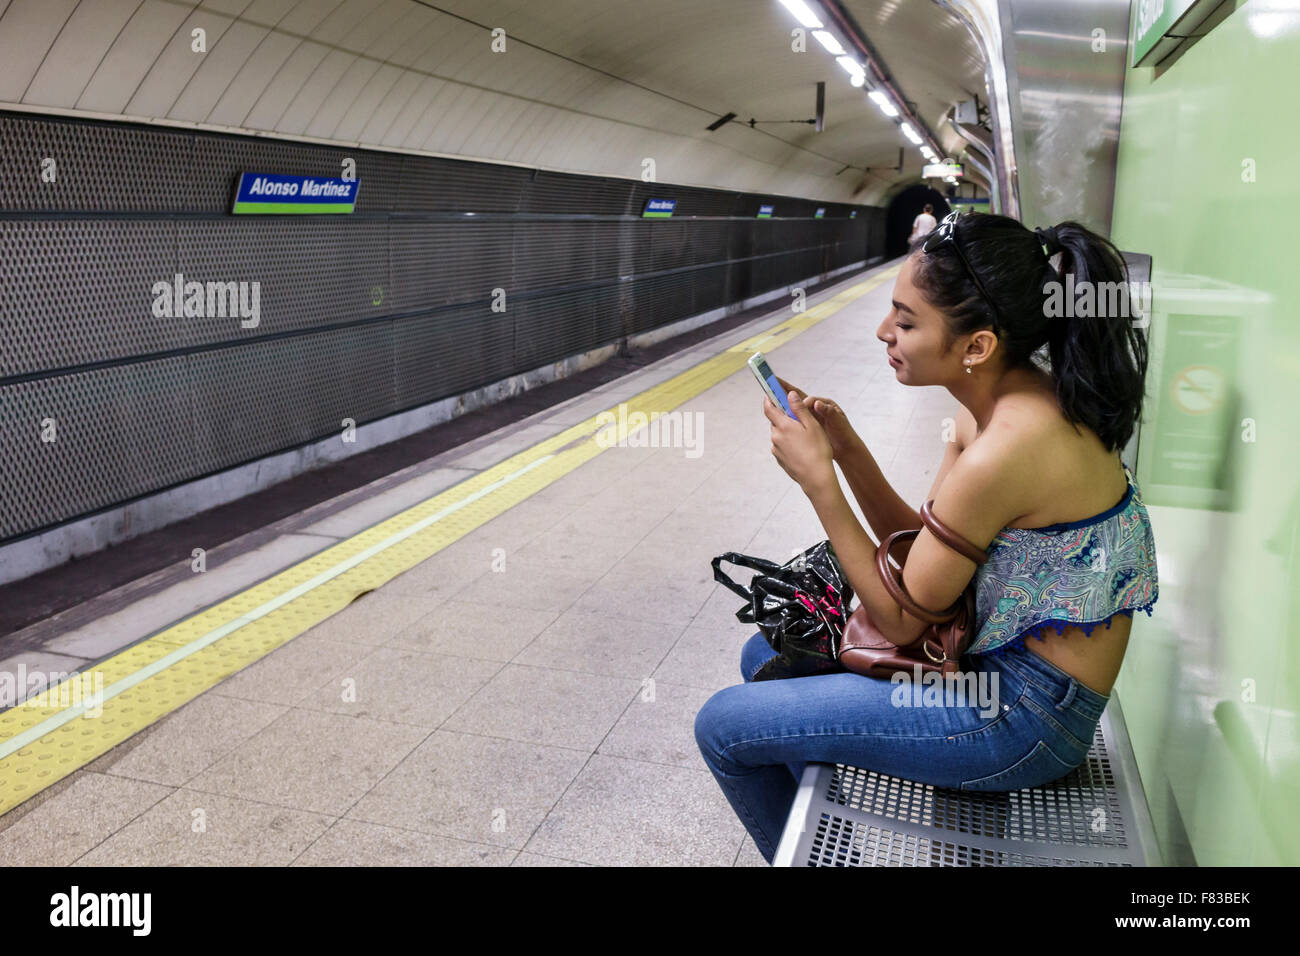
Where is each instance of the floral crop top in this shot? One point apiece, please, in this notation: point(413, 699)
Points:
point(1076, 573)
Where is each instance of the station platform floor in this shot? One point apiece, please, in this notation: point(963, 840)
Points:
point(494, 657)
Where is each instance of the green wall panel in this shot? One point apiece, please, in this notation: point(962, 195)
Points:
point(1206, 184)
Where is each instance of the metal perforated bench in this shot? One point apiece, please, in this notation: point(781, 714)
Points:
point(1095, 816)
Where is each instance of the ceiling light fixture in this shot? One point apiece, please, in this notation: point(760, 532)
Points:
point(828, 40)
point(802, 13)
point(853, 68)
point(881, 100)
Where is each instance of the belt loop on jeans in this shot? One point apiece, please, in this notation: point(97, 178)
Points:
point(1068, 699)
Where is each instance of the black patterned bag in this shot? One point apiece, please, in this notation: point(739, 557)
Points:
point(799, 607)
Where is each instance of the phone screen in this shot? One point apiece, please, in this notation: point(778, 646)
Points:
point(773, 388)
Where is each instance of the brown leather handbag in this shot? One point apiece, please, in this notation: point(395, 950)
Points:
point(864, 650)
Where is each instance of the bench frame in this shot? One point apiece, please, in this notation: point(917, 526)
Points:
point(1096, 815)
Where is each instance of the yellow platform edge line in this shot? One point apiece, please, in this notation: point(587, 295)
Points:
point(62, 729)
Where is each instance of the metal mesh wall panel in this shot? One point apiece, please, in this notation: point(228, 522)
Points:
point(659, 300)
point(709, 287)
point(670, 246)
point(450, 351)
point(310, 271)
point(439, 262)
point(444, 185)
point(96, 168)
point(608, 239)
point(80, 291)
point(711, 239)
point(567, 194)
point(258, 399)
point(359, 316)
point(71, 444)
point(549, 254)
point(547, 329)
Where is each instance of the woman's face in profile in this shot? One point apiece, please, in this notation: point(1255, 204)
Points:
point(915, 335)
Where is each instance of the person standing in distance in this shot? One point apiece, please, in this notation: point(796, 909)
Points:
point(923, 224)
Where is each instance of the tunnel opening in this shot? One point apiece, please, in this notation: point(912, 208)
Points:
point(902, 212)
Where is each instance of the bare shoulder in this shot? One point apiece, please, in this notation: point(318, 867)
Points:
point(996, 476)
point(989, 483)
point(1024, 433)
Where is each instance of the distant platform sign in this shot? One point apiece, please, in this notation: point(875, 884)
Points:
point(821, 211)
point(659, 208)
point(294, 195)
point(940, 170)
point(765, 212)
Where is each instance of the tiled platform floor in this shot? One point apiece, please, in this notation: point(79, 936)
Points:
point(539, 714)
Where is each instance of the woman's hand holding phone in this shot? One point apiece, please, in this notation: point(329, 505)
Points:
point(831, 417)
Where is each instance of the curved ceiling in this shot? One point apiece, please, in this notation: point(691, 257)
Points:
point(591, 86)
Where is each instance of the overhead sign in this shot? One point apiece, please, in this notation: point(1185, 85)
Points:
point(941, 170)
point(294, 195)
point(659, 208)
point(821, 211)
point(765, 212)
point(1160, 26)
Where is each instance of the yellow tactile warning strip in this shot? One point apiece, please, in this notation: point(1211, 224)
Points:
point(62, 729)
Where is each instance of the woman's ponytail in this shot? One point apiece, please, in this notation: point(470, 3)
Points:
point(1098, 356)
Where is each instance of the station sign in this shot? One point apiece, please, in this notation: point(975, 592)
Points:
point(765, 212)
point(271, 194)
point(941, 170)
point(659, 208)
point(1160, 26)
point(821, 211)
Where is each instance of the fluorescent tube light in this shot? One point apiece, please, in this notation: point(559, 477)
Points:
point(802, 13)
point(852, 67)
point(881, 100)
point(828, 40)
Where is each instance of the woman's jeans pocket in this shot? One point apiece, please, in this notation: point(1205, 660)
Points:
point(1041, 765)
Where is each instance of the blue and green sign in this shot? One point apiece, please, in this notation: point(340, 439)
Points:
point(765, 212)
point(659, 208)
point(294, 195)
point(821, 212)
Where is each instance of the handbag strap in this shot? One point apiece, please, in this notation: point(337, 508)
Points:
point(894, 585)
point(741, 561)
point(951, 538)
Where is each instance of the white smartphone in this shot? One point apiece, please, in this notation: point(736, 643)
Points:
point(763, 372)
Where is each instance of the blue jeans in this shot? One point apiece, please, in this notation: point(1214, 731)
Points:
point(1016, 721)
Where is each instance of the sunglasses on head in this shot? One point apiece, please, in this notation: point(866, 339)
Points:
point(945, 231)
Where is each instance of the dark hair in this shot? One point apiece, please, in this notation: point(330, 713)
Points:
point(928, 208)
point(1098, 363)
